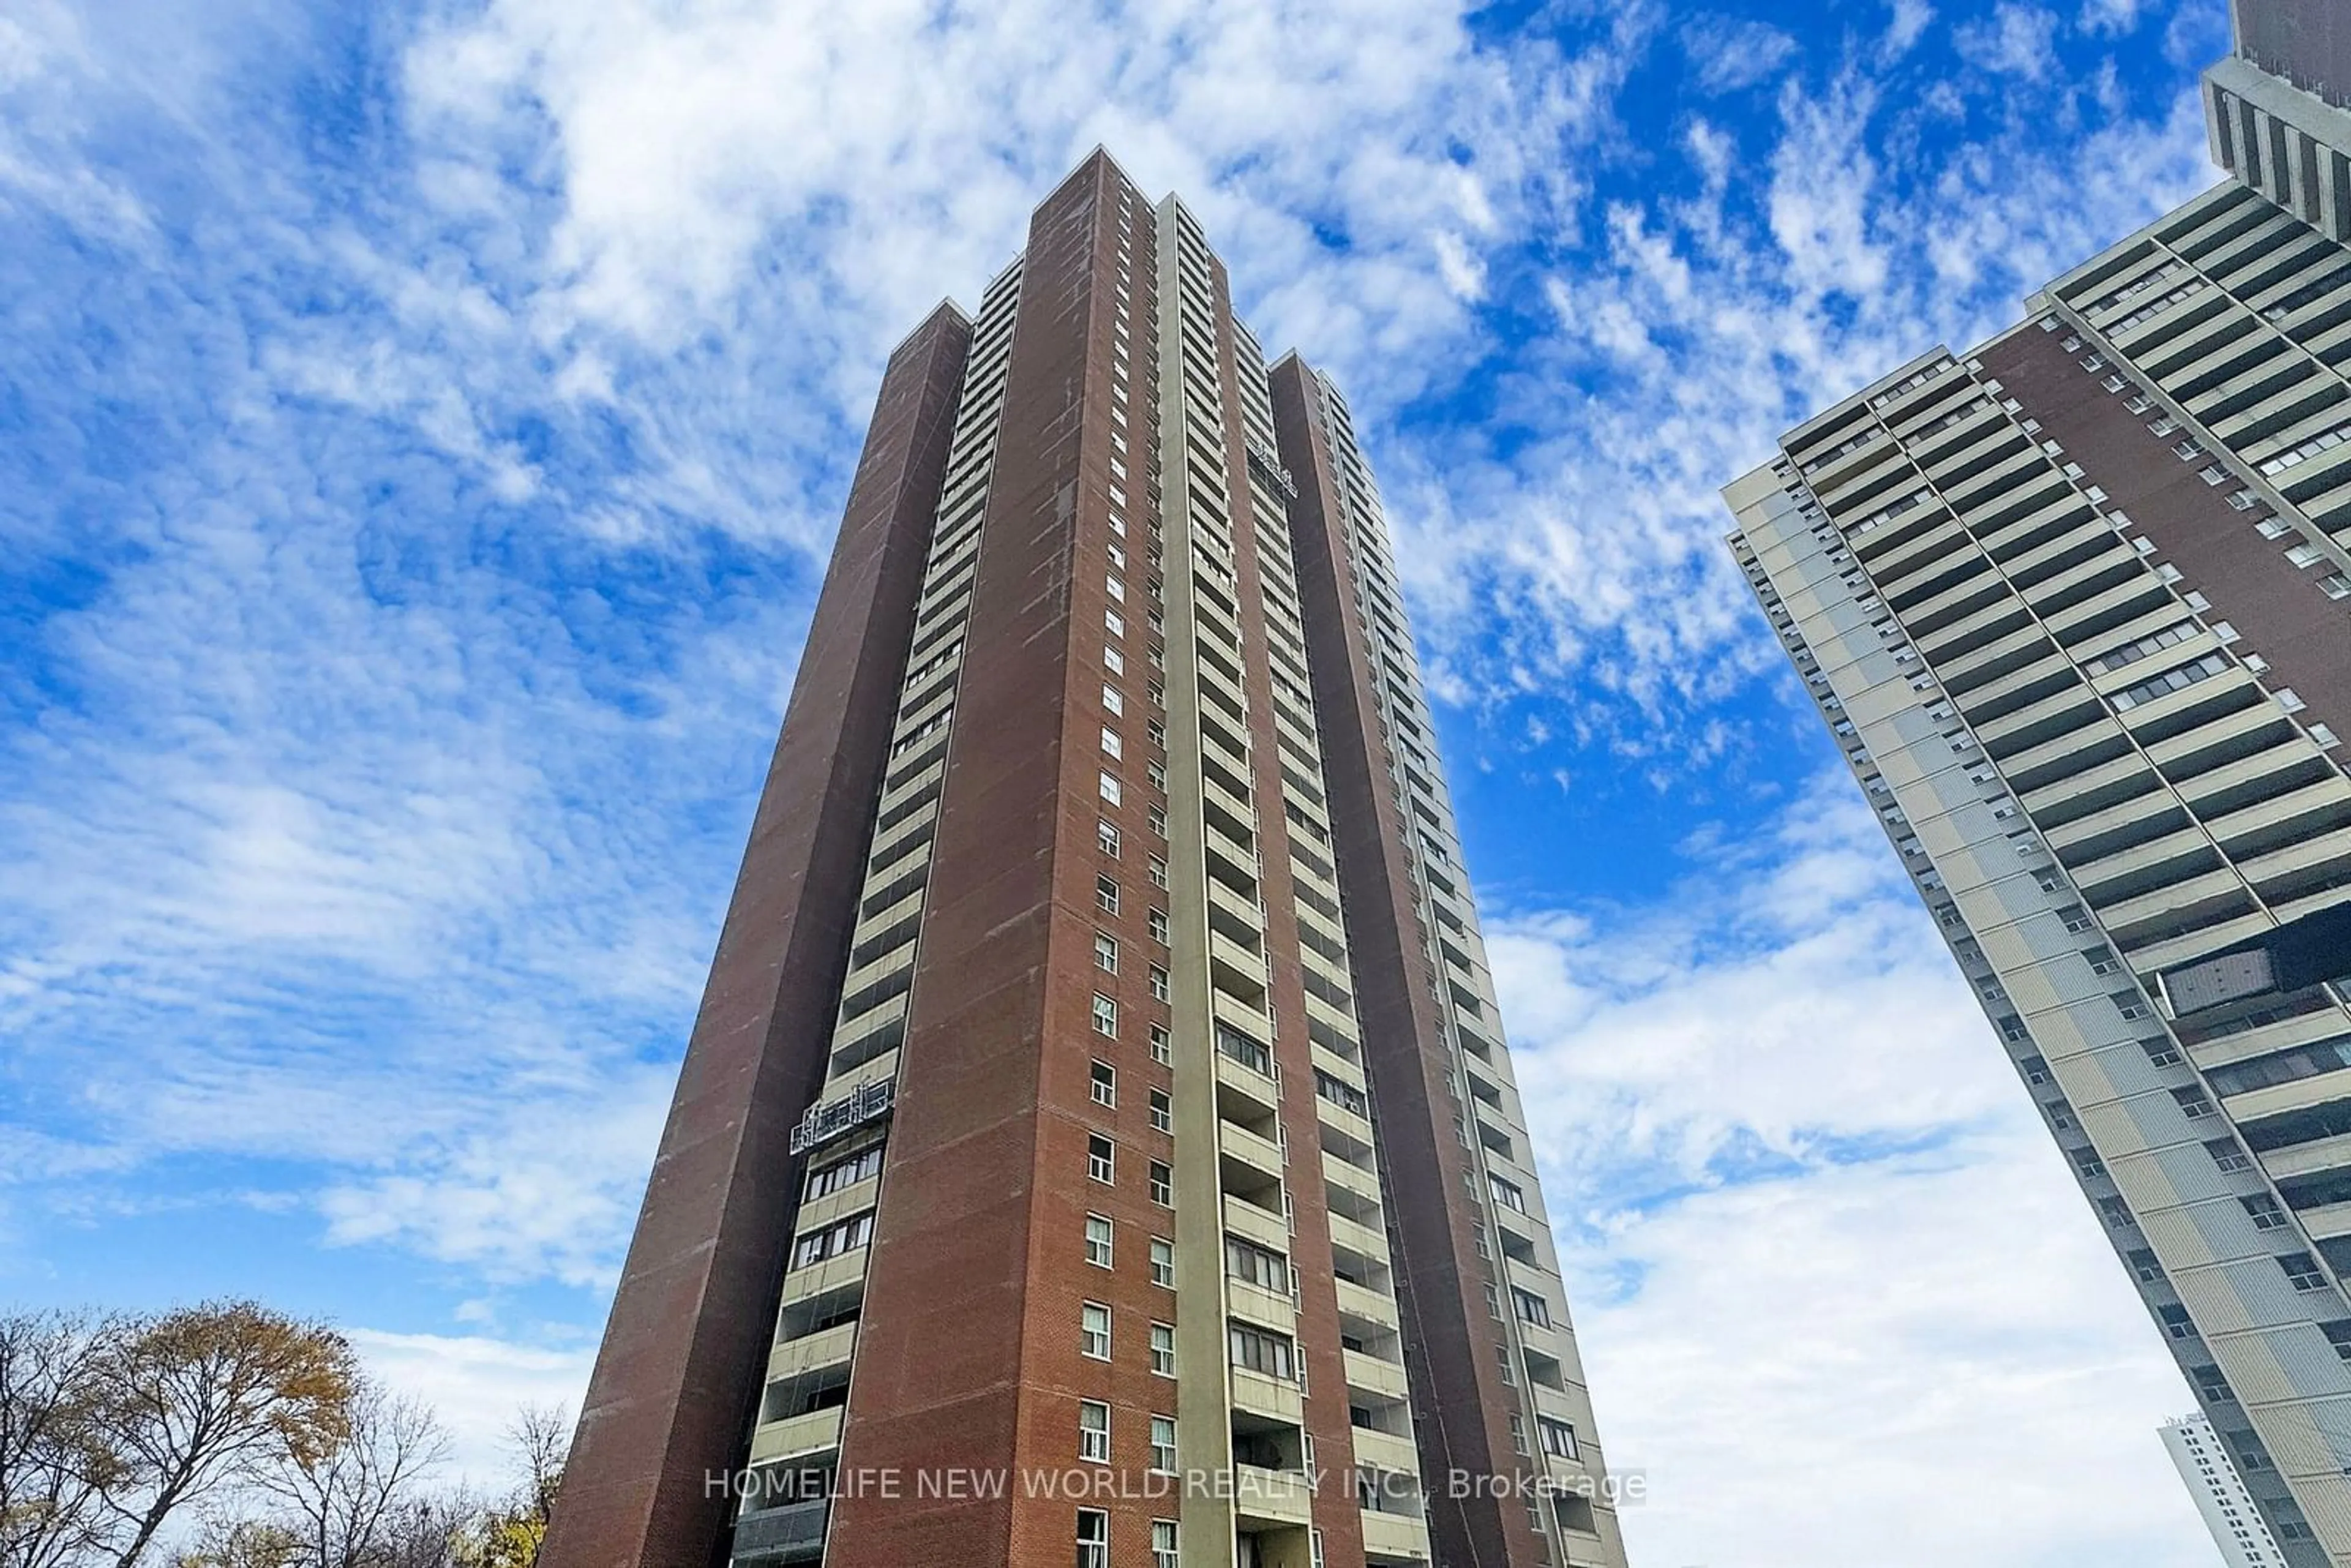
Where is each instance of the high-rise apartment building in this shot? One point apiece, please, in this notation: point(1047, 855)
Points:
point(1098, 1142)
point(2219, 1494)
point(2076, 604)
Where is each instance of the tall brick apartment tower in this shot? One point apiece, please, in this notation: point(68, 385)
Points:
point(1097, 1143)
point(2076, 604)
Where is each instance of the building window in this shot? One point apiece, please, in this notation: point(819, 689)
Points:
point(844, 1236)
point(1101, 1158)
point(1158, 816)
point(2192, 1102)
point(1113, 700)
point(1094, 1536)
point(1163, 1111)
point(1104, 1083)
point(864, 1165)
point(1163, 1543)
point(1158, 923)
point(2302, 1271)
point(1110, 789)
point(1113, 661)
point(1507, 1194)
point(1105, 953)
point(1162, 1045)
point(1093, 1331)
point(1159, 985)
point(1163, 1451)
point(1159, 866)
point(1114, 624)
point(1106, 837)
point(1162, 1262)
point(2264, 1210)
point(1099, 1234)
point(1163, 1350)
point(1094, 1431)
point(1558, 1437)
point(2228, 1156)
point(1158, 774)
point(1112, 746)
point(1256, 1350)
point(1106, 1017)
point(2159, 1053)
point(1532, 1308)
point(1163, 1185)
point(1106, 895)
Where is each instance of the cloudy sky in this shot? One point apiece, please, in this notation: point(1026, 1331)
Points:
point(421, 428)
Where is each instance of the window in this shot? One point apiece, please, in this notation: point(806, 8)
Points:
point(1507, 1194)
point(1162, 1262)
point(1158, 866)
point(864, 1165)
point(1094, 1534)
point(1117, 588)
point(1113, 661)
point(1112, 746)
point(2087, 1162)
point(1093, 1331)
point(2115, 1211)
point(1532, 1308)
point(2265, 1212)
point(1106, 837)
point(1158, 772)
point(1157, 921)
point(2338, 1334)
point(1163, 1349)
point(2192, 1102)
point(1110, 789)
point(1106, 895)
point(2302, 1271)
point(2159, 1053)
point(1558, 1437)
point(1101, 1158)
point(1163, 1456)
point(1105, 953)
point(1098, 1240)
point(1159, 985)
point(1253, 1265)
point(1163, 1543)
point(1162, 1045)
point(1163, 1185)
point(2144, 1264)
point(1163, 1111)
point(1094, 1431)
point(1106, 1017)
point(1158, 816)
point(1113, 700)
point(846, 1236)
point(1114, 624)
point(2037, 1071)
point(1104, 1083)
point(2228, 1155)
point(1256, 1350)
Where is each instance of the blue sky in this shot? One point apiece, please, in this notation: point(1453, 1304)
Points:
point(421, 427)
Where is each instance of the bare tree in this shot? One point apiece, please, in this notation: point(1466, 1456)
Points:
point(56, 1456)
point(209, 1397)
point(349, 1504)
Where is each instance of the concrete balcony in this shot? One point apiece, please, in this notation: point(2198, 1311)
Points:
point(1243, 1086)
point(1256, 1304)
point(1344, 1119)
point(830, 1275)
point(1237, 910)
point(1269, 1398)
point(2036, 724)
point(831, 1347)
point(1271, 1499)
point(2297, 861)
point(1251, 1223)
point(1372, 1375)
point(2326, 799)
point(1237, 1143)
point(1351, 1178)
point(1385, 1451)
point(2070, 791)
point(2119, 915)
point(1360, 1239)
point(2244, 727)
point(1391, 1538)
point(1370, 1306)
point(797, 1438)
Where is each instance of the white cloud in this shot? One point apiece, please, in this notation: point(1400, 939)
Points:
point(1837, 1290)
point(478, 1384)
point(2110, 18)
point(1731, 53)
point(2018, 39)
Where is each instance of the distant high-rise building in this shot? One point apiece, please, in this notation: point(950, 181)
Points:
point(2076, 604)
point(1098, 1141)
point(2220, 1492)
